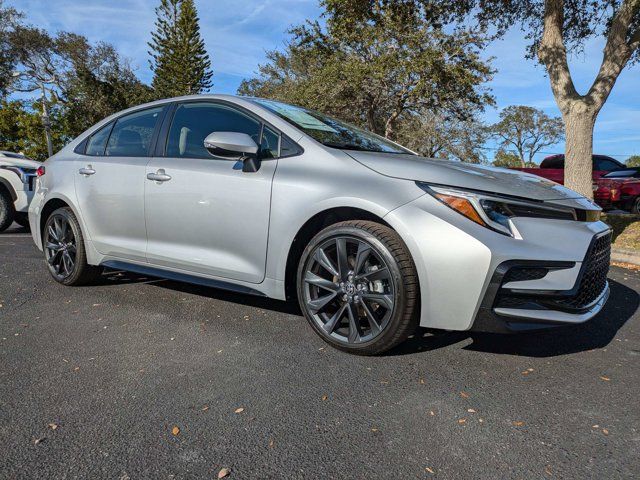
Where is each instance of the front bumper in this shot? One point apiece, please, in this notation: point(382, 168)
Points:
point(457, 263)
point(508, 308)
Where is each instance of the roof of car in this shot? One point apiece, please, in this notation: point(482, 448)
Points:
point(5, 153)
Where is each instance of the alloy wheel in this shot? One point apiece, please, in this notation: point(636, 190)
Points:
point(349, 290)
point(60, 246)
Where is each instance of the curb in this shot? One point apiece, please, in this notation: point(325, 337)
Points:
point(625, 256)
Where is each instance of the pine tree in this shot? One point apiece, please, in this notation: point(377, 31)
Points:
point(179, 60)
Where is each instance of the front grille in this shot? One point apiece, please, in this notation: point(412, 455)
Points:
point(593, 280)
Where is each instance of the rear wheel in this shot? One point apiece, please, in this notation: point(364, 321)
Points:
point(7, 210)
point(358, 287)
point(635, 207)
point(64, 250)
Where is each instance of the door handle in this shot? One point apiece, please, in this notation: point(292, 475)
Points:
point(159, 176)
point(88, 170)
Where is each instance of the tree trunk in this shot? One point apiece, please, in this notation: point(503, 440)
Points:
point(578, 165)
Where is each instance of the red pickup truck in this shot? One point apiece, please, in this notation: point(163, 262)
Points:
point(619, 190)
point(552, 167)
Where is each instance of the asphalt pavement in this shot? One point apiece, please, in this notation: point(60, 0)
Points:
point(144, 378)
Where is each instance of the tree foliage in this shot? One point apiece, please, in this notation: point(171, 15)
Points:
point(179, 60)
point(21, 129)
point(633, 161)
point(528, 130)
point(507, 159)
point(435, 136)
point(378, 66)
point(8, 19)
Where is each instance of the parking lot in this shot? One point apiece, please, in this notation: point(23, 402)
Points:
point(143, 378)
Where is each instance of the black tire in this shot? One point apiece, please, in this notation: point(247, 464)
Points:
point(7, 209)
point(635, 206)
point(394, 322)
point(81, 273)
point(22, 219)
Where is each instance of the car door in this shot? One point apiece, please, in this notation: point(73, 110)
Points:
point(110, 181)
point(207, 216)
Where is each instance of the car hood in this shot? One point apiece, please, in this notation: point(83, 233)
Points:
point(18, 162)
point(464, 175)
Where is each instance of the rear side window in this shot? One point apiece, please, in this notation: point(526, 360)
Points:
point(98, 141)
point(193, 122)
point(131, 135)
point(553, 162)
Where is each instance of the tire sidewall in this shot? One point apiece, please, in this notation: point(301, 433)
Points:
point(396, 277)
point(77, 233)
point(7, 210)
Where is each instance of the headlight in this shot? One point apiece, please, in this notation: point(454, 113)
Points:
point(492, 211)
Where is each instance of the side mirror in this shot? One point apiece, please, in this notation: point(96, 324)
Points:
point(234, 146)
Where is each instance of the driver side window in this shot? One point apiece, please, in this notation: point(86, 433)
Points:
point(192, 122)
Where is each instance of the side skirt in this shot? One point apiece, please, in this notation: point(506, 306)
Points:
point(180, 277)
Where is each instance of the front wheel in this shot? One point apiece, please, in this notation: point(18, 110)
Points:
point(358, 287)
point(635, 207)
point(64, 250)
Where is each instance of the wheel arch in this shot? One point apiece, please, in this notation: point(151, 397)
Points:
point(6, 185)
point(312, 227)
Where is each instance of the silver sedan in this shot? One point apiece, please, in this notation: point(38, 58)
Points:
point(271, 199)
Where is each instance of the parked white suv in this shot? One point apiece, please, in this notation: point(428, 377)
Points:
point(17, 179)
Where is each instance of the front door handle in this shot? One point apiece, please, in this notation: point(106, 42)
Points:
point(86, 171)
point(159, 176)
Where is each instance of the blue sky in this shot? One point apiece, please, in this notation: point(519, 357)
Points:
point(237, 34)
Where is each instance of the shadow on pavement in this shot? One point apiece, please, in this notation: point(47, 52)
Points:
point(112, 277)
point(597, 333)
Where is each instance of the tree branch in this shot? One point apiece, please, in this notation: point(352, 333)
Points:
point(553, 54)
point(617, 53)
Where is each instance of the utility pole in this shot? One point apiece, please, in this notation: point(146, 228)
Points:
point(46, 122)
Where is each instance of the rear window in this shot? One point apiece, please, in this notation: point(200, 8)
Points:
point(131, 135)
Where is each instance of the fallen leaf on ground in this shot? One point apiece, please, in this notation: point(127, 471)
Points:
point(606, 379)
point(605, 431)
point(464, 395)
point(324, 397)
point(175, 431)
point(39, 440)
point(471, 410)
point(422, 381)
point(462, 420)
point(429, 470)
point(271, 442)
point(518, 424)
point(239, 410)
point(374, 429)
point(224, 472)
point(432, 413)
point(53, 426)
point(205, 408)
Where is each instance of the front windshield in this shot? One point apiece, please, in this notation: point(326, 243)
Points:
point(623, 174)
point(329, 131)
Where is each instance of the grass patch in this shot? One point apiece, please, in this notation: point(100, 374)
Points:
point(626, 230)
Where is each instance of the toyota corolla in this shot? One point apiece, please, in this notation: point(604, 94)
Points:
point(271, 199)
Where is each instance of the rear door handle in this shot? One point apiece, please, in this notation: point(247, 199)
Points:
point(88, 170)
point(159, 176)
